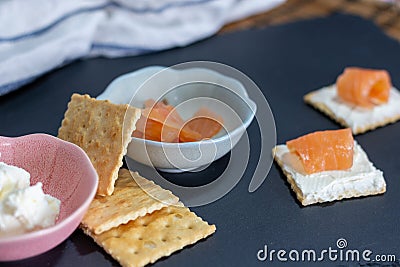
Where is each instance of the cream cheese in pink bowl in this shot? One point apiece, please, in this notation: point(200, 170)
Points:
point(65, 174)
point(24, 207)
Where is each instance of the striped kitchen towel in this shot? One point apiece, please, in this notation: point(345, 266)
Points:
point(37, 36)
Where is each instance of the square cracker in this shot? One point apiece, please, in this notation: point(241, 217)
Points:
point(133, 197)
point(103, 130)
point(363, 179)
point(156, 235)
point(358, 119)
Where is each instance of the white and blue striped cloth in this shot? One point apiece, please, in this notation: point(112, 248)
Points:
point(37, 36)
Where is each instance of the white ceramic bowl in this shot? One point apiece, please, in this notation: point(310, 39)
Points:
point(187, 90)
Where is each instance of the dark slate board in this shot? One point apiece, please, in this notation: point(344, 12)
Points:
point(286, 62)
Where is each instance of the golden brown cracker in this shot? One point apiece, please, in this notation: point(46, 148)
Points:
point(156, 235)
point(133, 197)
point(103, 130)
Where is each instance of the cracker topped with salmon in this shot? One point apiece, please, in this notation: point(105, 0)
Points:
point(361, 99)
point(328, 165)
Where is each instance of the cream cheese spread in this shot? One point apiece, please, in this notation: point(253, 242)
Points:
point(23, 208)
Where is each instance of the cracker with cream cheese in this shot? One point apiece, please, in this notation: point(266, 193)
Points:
point(358, 119)
point(363, 179)
point(103, 130)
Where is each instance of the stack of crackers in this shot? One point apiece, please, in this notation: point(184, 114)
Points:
point(136, 221)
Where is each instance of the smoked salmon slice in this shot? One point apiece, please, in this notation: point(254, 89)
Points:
point(205, 122)
point(364, 87)
point(161, 122)
point(324, 150)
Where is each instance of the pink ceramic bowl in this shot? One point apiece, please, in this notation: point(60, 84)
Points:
point(66, 173)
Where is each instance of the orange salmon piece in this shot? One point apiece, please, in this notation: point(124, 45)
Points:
point(188, 135)
point(364, 87)
point(324, 150)
point(159, 122)
point(165, 114)
point(162, 123)
point(205, 122)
